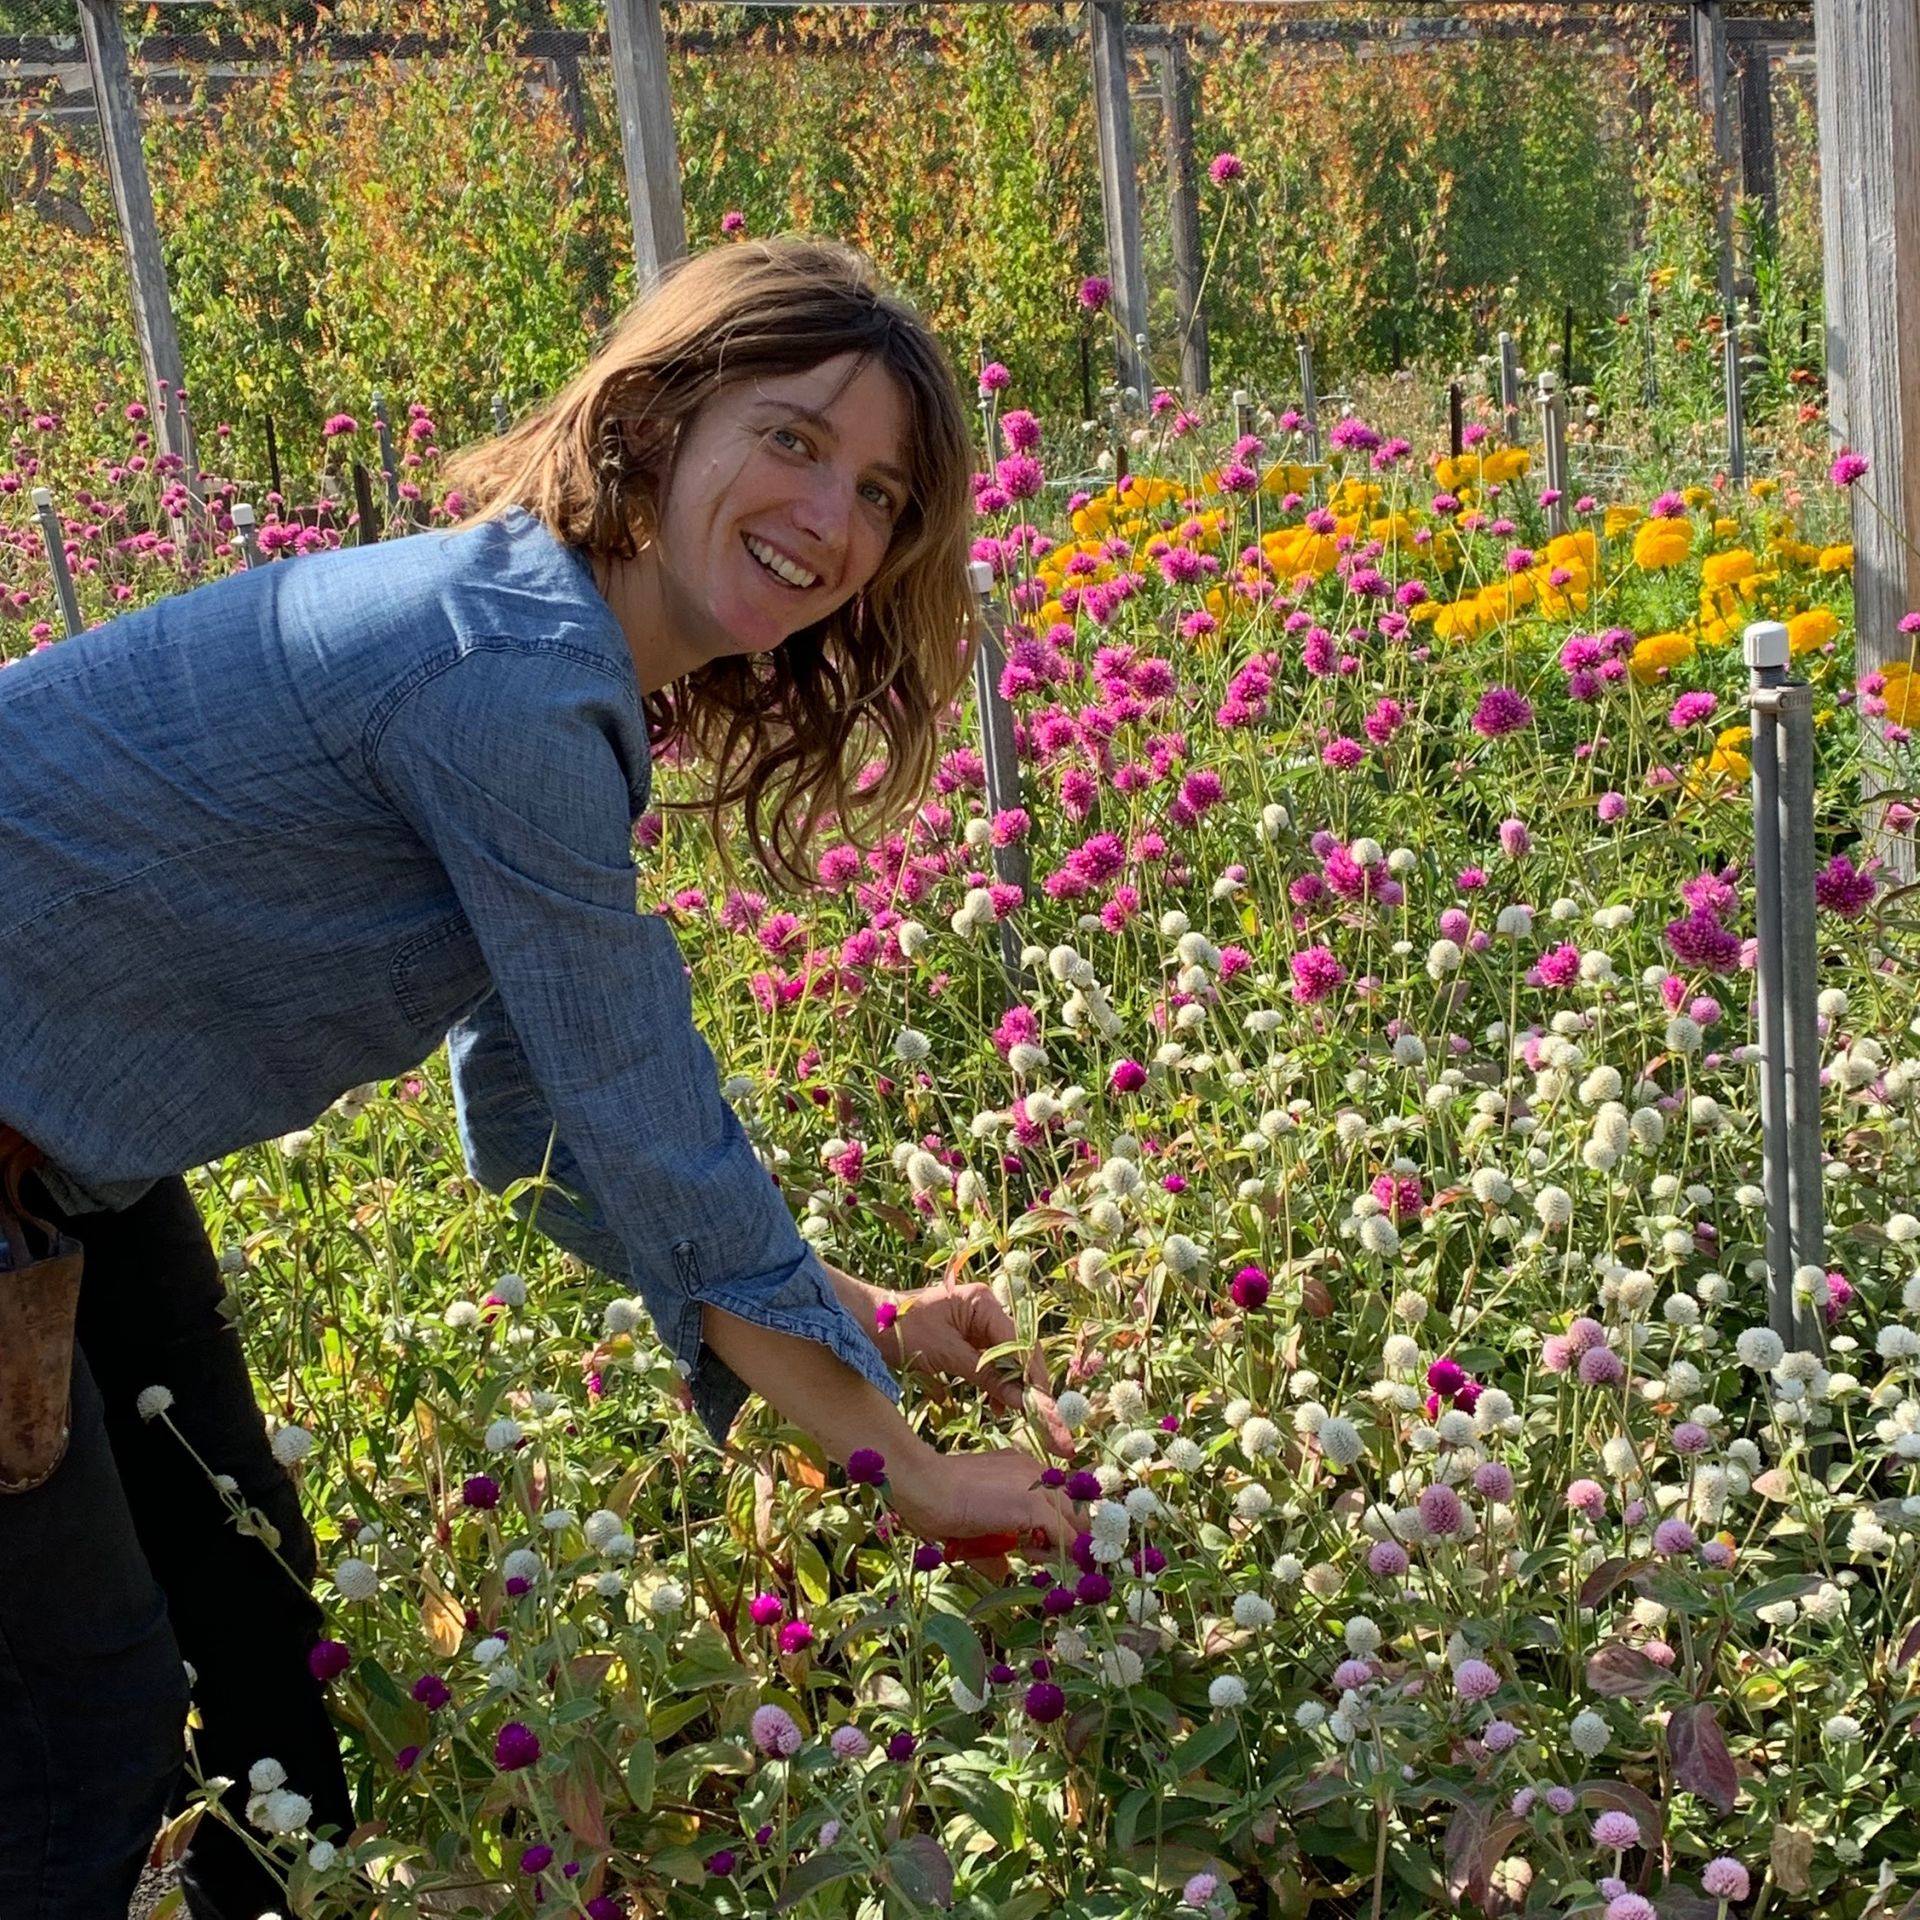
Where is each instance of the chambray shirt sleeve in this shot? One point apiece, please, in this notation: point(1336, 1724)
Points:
point(505, 761)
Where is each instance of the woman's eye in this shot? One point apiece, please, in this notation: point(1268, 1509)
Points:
point(882, 499)
point(790, 434)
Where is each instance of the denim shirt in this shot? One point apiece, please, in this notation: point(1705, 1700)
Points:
point(275, 837)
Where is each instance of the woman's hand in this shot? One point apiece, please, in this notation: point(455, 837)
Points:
point(974, 1496)
point(943, 1332)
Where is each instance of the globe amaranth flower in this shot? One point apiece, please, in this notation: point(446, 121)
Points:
point(327, 1660)
point(1843, 889)
point(1847, 468)
point(1500, 711)
point(866, 1467)
point(1224, 167)
point(774, 1732)
point(1096, 290)
point(516, 1745)
point(1699, 940)
point(1044, 1702)
point(1317, 975)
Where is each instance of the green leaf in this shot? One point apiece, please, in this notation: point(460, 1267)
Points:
point(988, 1805)
point(817, 1871)
point(1200, 1746)
point(1771, 1592)
point(639, 1769)
point(810, 1569)
point(961, 1645)
point(918, 1866)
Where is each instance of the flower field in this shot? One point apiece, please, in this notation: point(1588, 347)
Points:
point(1371, 1145)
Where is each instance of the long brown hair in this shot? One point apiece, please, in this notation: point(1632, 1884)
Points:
point(790, 729)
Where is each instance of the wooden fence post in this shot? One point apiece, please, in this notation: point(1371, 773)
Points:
point(1119, 184)
point(1867, 55)
point(639, 49)
point(1309, 401)
point(1176, 99)
point(119, 111)
point(1002, 761)
point(383, 428)
point(1553, 438)
point(1710, 85)
point(1509, 390)
point(1456, 425)
point(1758, 181)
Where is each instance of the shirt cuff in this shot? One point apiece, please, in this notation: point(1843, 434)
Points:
point(799, 1300)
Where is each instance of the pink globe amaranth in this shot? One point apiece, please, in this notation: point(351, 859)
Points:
point(1617, 1830)
point(1387, 1559)
point(1499, 1736)
point(1691, 1437)
point(1476, 1680)
point(1441, 1512)
point(1493, 1480)
point(1353, 1673)
point(765, 1608)
point(1601, 1367)
point(1250, 1289)
point(1560, 1800)
point(1673, 1537)
point(775, 1732)
point(1588, 1497)
point(1726, 1879)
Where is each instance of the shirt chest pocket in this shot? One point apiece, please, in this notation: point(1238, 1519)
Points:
point(439, 975)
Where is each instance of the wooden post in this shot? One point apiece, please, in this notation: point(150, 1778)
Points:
point(1553, 438)
point(502, 419)
point(1710, 85)
point(1002, 761)
point(639, 51)
point(273, 461)
point(1176, 99)
point(1757, 178)
point(119, 112)
point(1509, 390)
point(1867, 55)
point(363, 502)
point(1119, 184)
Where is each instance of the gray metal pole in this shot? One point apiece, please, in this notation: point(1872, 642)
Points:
point(1801, 987)
point(1242, 413)
point(1509, 390)
point(1766, 650)
point(998, 751)
point(1736, 422)
point(502, 419)
point(243, 532)
point(56, 544)
point(1309, 401)
point(384, 428)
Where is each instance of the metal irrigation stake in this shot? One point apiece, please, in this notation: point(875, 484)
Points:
point(1002, 760)
point(1309, 402)
point(249, 539)
point(56, 545)
point(502, 419)
point(1553, 436)
point(1242, 413)
point(388, 473)
point(1456, 423)
point(1736, 411)
point(1786, 969)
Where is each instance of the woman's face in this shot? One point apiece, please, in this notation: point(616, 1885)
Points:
point(781, 505)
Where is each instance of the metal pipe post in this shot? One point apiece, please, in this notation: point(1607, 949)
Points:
point(1800, 983)
point(1736, 421)
point(384, 428)
point(1766, 654)
point(1002, 760)
point(1509, 389)
point(502, 419)
point(55, 542)
point(1456, 420)
point(1309, 401)
point(1242, 413)
point(245, 534)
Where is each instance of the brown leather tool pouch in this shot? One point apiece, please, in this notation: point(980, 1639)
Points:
point(39, 1297)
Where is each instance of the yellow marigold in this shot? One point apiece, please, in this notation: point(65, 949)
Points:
point(1697, 497)
point(1723, 777)
point(1736, 736)
point(1836, 559)
point(1286, 477)
point(1661, 543)
point(1902, 694)
point(1763, 489)
point(1575, 549)
point(1811, 629)
point(1461, 620)
point(1449, 473)
point(1660, 651)
point(1725, 529)
point(1619, 517)
point(1722, 569)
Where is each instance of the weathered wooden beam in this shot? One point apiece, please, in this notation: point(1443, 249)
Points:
point(1176, 99)
point(1710, 75)
point(1868, 78)
point(1758, 181)
point(639, 51)
point(1119, 186)
point(159, 339)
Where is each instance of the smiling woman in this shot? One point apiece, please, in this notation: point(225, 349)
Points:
point(767, 462)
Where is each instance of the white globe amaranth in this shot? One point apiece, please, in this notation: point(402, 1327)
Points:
point(1339, 1440)
point(356, 1580)
point(1589, 1733)
point(1760, 1348)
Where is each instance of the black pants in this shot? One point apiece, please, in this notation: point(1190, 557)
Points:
point(125, 1564)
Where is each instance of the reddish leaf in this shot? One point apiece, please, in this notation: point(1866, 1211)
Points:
point(577, 1797)
point(1463, 1850)
point(1605, 1577)
point(1618, 1797)
point(1701, 1761)
point(1622, 1672)
point(1909, 1646)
